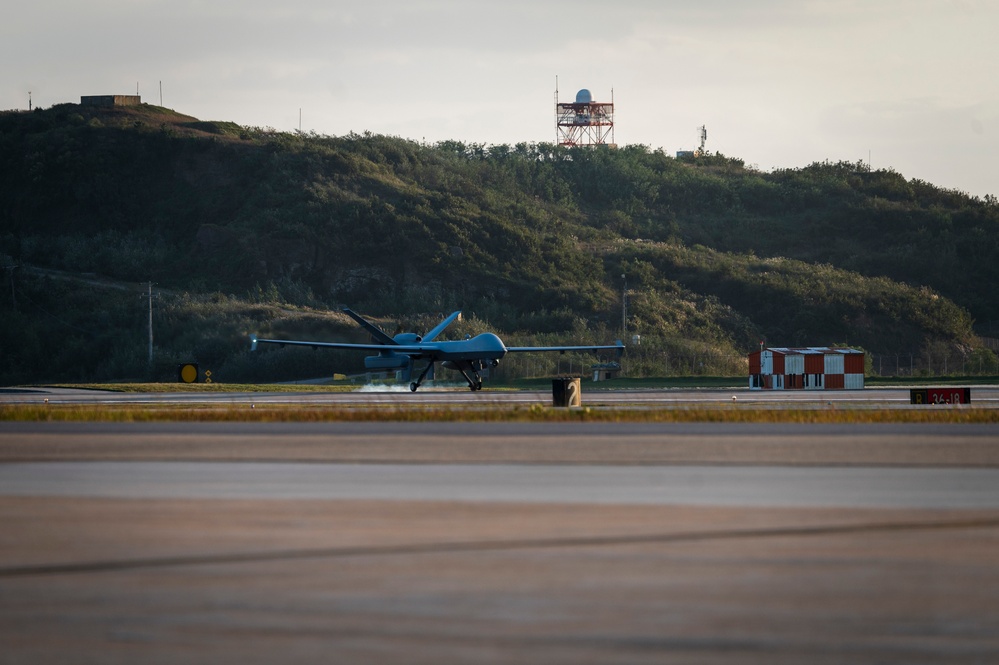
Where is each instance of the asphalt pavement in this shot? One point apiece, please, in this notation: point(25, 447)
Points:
point(498, 543)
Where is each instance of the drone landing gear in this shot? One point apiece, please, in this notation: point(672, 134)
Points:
point(473, 383)
point(419, 381)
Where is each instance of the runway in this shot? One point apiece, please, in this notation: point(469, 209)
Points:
point(431, 542)
point(897, 398)
point(783, 487)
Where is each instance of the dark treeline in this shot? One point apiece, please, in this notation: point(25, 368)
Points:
point(247, 229)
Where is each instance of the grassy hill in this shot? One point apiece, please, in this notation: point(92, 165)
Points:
point(250, 230)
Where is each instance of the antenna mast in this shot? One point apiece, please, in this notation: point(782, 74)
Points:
point(556, 106)
point(613, 142)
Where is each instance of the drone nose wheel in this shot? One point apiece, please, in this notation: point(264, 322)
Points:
point(413, 387)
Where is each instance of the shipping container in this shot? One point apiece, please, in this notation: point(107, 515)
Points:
point(778, 363)
point(853, 363)
point(794, 364)
point(767, 362)
point(808, 368)
point(835, 381)
point(814, 362)
point(834, 364)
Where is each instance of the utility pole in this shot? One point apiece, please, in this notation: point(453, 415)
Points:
point(624, 307)
point(150, 325)
point(13, 292)
point(149, 294)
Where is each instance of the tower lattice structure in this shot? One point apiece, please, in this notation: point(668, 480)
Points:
point(584, 122)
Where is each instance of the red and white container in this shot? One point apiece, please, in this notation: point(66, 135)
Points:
point(806, 368)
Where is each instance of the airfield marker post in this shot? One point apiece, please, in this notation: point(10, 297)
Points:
point(566, 392)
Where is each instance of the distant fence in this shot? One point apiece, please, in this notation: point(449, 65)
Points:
point(923, 364)
point(641, 362)
point(633, 364)
point(987, 329)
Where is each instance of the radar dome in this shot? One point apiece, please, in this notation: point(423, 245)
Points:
point(584, 97)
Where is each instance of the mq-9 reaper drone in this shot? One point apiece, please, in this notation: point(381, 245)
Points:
point(468, 356)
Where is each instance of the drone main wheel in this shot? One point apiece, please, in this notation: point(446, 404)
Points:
point(413, 387)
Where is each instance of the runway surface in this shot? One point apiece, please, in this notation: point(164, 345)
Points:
point(825, 487)
point(748, 444)
point(496, 543)
point(982, 396)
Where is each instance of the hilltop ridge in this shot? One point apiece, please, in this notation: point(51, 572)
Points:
point(530, 239)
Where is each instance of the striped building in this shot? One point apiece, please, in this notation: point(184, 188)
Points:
point(808, 368)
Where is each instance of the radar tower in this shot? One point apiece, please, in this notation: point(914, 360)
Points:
point(584, 122)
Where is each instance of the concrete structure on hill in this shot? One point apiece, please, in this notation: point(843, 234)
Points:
point(110, 100)
point(807, 368)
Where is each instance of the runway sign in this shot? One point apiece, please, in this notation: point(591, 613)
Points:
point(566, 392)
point(187, 373)
point(940, 396)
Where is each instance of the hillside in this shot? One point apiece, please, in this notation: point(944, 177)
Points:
point(247, 229)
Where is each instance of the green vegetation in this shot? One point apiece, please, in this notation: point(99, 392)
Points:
point(534, 413)
point(341, 387)
point(248, 230)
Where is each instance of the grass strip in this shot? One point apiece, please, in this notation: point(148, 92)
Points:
point(519, 413)
point(160, 388)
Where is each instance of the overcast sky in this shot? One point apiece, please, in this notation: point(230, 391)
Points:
point(911, 84)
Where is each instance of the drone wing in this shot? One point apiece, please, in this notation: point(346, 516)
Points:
point(619, 347)
point(430, 336)
point(400, 348)
point(375, 331)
